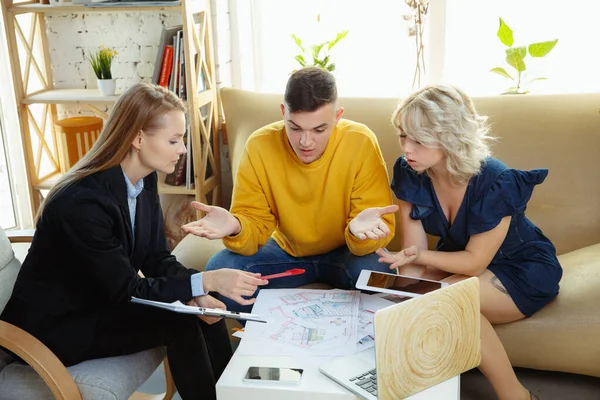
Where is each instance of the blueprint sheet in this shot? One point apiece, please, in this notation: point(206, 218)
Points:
point(303, 322)
point(369, 304)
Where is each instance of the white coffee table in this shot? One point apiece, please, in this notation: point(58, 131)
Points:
point(313, 386)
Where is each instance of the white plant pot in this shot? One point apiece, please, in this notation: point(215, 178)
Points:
point(107, 87)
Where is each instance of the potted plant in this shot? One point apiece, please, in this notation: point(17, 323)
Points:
point(318, 54)
point(515, 57)
point(101, 62)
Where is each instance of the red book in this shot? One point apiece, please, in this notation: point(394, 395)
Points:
point(167, 66)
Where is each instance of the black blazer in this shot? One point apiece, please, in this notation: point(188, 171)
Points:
point(83, 261)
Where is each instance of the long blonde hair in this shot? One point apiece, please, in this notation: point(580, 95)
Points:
point(443, 116)
point(139, 108)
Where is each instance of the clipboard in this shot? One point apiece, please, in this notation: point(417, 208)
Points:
point(179, 307)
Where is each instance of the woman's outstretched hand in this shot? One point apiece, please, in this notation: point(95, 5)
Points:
point(233, 283)
point(369, 224)
point(216, 224)
point(406, 256)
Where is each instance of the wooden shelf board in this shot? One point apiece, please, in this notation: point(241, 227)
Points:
point(46, 8)
point(163, 188)
point(47, 184)
point(66, 96)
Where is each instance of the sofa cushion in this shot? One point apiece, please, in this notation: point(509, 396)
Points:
point(6, 251)
point(5, 359)
point(564, 335)
point(113, 378)
point(8, 276)
point(9, 268)
point(194, 252)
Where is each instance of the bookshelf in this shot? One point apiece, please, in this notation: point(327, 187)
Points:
point(37, 99)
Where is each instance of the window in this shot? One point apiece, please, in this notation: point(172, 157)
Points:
point(7, 208)
point(15, 205)
point(375, 59)
point(472, 47)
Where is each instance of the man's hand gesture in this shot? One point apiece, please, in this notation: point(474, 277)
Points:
point(216, 224)
point(369, 224)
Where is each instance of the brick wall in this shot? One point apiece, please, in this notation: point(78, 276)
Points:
point(135, 36)
point(72, 37)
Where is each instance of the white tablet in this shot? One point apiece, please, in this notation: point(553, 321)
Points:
point(396, 284)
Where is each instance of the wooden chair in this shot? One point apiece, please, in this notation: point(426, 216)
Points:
point(44, 375)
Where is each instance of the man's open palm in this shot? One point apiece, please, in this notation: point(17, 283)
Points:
point(216, 224)
point(369, 224)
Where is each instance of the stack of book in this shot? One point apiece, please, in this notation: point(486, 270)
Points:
point(169, 72)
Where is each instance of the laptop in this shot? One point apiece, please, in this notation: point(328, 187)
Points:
point(419, 343)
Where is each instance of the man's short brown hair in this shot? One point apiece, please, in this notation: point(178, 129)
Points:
point(310, 88)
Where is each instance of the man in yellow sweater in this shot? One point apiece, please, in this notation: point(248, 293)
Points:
point(300, 193)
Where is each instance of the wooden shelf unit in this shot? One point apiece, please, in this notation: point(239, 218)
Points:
point(22, 8)
point(41, 144)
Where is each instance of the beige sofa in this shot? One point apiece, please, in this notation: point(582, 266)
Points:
point(561, 133)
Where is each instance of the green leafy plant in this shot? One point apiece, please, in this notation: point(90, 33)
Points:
point(101, 62)
point(515, 57)
point(317, 54)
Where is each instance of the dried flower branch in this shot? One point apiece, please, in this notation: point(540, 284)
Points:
point(419, 10)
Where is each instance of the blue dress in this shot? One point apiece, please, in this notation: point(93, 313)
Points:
point(526, 262)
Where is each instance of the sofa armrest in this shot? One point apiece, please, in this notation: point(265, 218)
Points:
point(21, 236)
point(41, 359)
point(194, 252)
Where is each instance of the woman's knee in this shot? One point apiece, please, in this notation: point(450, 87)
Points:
point(182, 325)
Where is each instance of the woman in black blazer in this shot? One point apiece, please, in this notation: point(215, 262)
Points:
point(99, 226)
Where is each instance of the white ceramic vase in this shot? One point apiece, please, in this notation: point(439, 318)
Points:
point(107, 87)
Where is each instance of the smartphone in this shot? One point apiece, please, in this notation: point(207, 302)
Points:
point(274, 374)
point(396, 284)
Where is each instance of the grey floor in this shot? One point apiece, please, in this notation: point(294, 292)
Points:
point(156, 383)
point(546, 385)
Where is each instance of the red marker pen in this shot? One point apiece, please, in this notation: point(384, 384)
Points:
point(289, 272)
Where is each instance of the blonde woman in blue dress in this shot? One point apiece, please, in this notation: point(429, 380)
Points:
point(449, 186)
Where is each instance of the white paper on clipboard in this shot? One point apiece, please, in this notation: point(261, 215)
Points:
point(179, 307)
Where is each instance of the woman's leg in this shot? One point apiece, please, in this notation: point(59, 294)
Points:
point(197, 352)
point(497, 307)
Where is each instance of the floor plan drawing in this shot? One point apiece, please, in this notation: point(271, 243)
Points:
point(302, 321)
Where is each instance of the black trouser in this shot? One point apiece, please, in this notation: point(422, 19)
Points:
point(198, 352)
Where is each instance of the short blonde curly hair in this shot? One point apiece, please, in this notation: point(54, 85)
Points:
point(443, 116)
